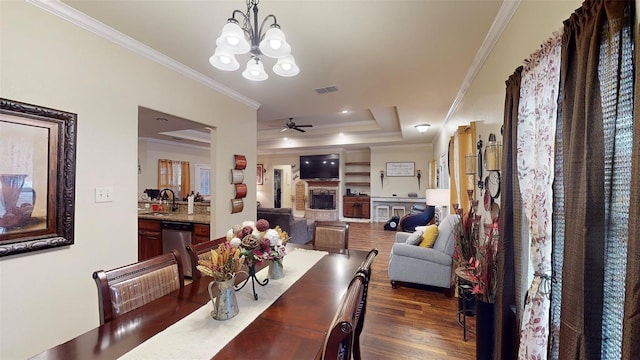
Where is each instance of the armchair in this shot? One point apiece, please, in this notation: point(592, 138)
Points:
point(424, 265)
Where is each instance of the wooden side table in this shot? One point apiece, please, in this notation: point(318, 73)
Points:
point(465, 285)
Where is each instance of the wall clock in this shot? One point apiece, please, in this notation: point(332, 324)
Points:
point(494, 184)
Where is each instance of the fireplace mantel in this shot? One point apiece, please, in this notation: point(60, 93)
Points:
point(323, 183)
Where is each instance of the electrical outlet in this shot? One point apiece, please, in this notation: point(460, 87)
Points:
point(104, 194)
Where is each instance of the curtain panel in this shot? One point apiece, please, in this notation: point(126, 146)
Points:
point(585, 144)
point(507, 312)
point(537, 115)
point(631, 319)
point(185, 180)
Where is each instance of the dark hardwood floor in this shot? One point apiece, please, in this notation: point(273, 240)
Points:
point(408, 322)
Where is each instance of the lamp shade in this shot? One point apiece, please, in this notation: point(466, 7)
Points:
point(438, 197)
point(274, 44)
point(286, 66)
point(233, 39)
point(224, 60)
point(255, 71)
point(470, 164)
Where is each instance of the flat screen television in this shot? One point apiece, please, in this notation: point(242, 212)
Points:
point(321, 167)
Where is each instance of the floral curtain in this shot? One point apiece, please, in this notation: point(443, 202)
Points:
point(537, 115)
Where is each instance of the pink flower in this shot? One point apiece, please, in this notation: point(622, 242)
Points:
point(262, 225)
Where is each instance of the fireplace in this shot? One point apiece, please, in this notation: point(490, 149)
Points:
point(323, 199)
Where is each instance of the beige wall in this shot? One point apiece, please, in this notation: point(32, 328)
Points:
point(534, 21)
point(401, 186)
point(49, 297)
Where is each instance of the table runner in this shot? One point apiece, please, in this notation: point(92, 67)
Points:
point(199, 336)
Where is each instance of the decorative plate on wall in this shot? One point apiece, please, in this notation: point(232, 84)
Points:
point(487, 197)
point(494, 184)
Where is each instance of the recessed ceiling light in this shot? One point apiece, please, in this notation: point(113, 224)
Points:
point(285, 139)
point(341, 134)
point(344, 111)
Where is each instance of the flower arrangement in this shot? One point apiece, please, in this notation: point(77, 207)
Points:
point(225, 262)
point(466, 233)
point(258, 242)
point(483, 268)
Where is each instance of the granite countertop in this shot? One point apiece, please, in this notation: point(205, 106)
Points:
point(174, 216)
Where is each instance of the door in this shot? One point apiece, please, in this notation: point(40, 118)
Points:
point(277, 188)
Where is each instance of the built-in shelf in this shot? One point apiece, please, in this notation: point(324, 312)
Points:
point(353, 175)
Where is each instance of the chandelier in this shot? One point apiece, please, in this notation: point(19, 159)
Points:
point(249, 38)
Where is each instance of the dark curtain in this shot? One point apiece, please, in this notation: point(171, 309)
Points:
point(507, 328)
point(583, 151)
point(631, 319)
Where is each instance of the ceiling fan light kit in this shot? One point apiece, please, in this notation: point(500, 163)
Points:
point(249, 38)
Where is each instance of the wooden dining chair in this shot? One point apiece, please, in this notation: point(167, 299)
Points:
point(128, 287)
point(331, 235)
point(338, 343)
point(201, 251)
point(364, 269)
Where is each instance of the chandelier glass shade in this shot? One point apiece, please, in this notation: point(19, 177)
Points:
point(249, 38)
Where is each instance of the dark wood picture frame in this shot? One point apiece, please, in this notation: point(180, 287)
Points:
point(260, 174)
point(56, 227)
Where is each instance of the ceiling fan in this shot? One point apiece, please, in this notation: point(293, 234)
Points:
point(292, 125)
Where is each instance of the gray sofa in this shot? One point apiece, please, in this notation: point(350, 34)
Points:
point(300, 230)
point(421, 265)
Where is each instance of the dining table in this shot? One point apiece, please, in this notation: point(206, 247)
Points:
point(291, 327)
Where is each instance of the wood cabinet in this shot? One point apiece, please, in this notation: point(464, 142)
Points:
point(356, 207)
point(149, 239)
point(200, 233)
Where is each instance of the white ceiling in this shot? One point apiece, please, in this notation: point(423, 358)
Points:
point(396, 64)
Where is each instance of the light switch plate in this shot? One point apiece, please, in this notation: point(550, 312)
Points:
point(104, 194)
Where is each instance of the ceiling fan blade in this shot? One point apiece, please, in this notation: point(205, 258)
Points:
point(296, 128)
point(284, 129)
point(304, 125)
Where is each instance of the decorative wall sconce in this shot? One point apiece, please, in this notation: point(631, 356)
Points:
point(419, 176)
point(493, 154)
point(381, 178)
point(473, 166)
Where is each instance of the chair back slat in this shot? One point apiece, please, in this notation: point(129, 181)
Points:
point(365, 270)
point(339, 340)
point(128, 287)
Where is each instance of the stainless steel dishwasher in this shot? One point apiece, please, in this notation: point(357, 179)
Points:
point(176, 236)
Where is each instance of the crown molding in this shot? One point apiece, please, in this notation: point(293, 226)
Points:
point(505, 13)
point(86, 22)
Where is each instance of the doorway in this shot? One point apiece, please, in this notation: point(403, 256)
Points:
point(277, 188)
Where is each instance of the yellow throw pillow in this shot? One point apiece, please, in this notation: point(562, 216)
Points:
point(429, 236)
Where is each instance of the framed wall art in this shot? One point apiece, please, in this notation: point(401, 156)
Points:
point(259, 174)
point(37, 177)
point(401, 168)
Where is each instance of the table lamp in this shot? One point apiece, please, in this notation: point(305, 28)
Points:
point(438, 198)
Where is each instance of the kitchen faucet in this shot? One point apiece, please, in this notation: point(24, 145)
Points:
point(164, 196)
